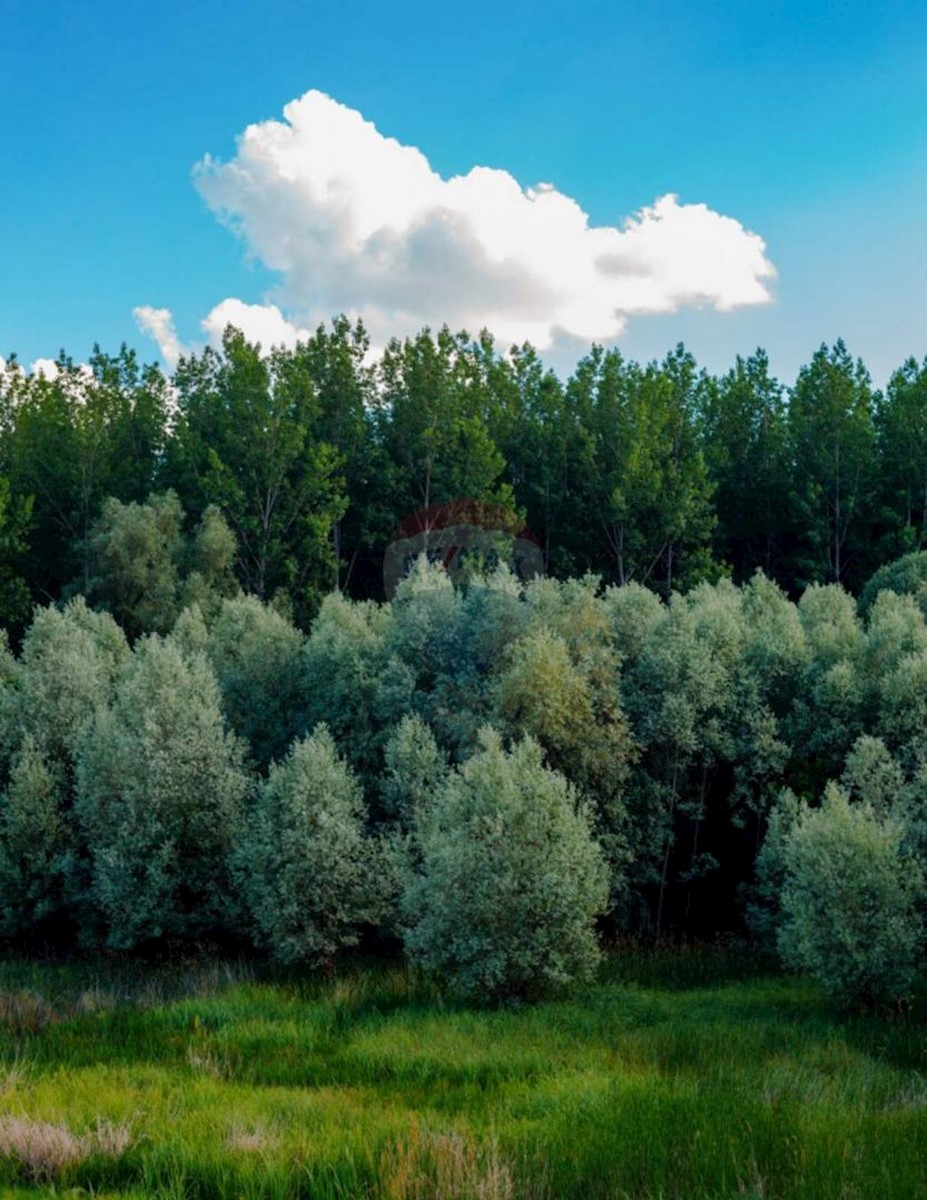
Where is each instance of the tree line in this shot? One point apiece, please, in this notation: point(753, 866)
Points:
point(495, 774)
point(660, 474)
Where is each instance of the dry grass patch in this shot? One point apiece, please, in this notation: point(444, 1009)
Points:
point(25, 1012)
point(252, 1141)
point(422, 1165)
point(45, 1151)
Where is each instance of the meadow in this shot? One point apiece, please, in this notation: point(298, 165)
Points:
point(696, 1073)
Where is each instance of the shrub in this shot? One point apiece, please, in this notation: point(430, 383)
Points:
point(160, 795)
point(906, 576)
point(415, 770)
point(848, 901)
point(305, 865)
point(36, 840)
point(71, 658)
point(511, 878)
point(257, 657)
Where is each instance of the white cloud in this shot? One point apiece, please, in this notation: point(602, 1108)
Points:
point(263, 323)
point(356, 222)
point(158, 323)
point(47, 367)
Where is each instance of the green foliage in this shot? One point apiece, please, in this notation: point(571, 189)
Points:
point(70, 442)
point(160, 795)
point(849, 901)
point(247, 439)
point(343, 669)
point(35, 843)
point(146, 570)
point(511, 878)
point(257, 656)
point(832, 444)
point(70, 661)
point(415, 771)
point(906, 575)
point(306, 866)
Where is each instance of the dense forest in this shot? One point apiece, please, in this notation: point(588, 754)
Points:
point(710, 717)
point(660, 474)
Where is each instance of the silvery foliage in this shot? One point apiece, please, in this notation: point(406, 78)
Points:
point(257, 656)
point(35, 842)
point(160, 797)
point(849, 900)
point(307, 870)
point(511, 878)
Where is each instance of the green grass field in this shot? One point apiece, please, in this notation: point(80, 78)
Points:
point(687, 1074)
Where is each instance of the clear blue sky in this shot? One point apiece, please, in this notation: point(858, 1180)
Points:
point(806, 122)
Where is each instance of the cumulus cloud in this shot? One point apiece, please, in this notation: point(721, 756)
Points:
point(46, 367)
point(263, 323)
point(158, 324)
point(353, 221)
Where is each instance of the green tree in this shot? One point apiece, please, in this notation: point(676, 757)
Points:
point(146, 569)
point(434, 422)
point(344, 384)
point(832, 443)
point(901, 432)
point(306, 866)
point(160, 800)
point(36, 842)
point(415, 769)
point(344, 665)
point(73, 440)
point(511, 879)
point(746, 451)
point(849, 901)
point(257, 657)
point(247, 440)
point(647, 482)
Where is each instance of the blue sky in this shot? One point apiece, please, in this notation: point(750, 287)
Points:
point(806, 124)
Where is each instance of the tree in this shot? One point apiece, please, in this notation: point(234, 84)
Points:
point(247, 440)
point(901, 432)
point(849, 901)
point(649, 490)
point(344, 669)
point(828, 710)
point(257, 656)
point(832, 442)
point(563, 690)
point(746, 452)
point(146, 570)
point(415, 770)
point(511, 878)
point(36, 841)
point(434, 422)
point(88, 433)
point(160, 795)
point(344, 386)
point(306, 867)
point(70, 662)
point(907, 576)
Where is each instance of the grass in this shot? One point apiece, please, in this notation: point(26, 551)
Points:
point(683, 1075)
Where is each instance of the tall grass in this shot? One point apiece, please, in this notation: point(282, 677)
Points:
point(690, 1073)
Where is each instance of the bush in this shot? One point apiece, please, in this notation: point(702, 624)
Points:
point(848, 901)
point(305, 865)
point(35, 843)
point(415, 769)
point(907, 576)
point(511, 878)
point(159, 797)
point(257, 657)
